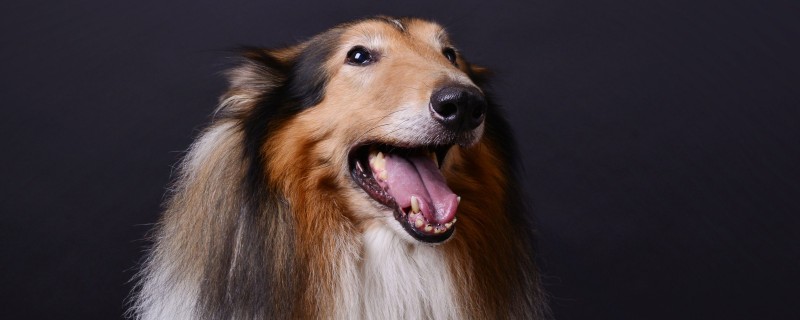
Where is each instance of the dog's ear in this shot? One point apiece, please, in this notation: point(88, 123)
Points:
point(259, 72)
point(479, 75)
point(295, 75)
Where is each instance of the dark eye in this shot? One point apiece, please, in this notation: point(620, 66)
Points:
point(359, 56)
point(450, 54)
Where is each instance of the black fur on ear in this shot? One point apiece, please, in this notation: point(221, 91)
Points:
point(291, 78)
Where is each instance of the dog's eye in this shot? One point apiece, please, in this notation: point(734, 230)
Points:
point(450, 54)
point(359, 56)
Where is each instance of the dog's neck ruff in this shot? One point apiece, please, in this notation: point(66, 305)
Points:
point(399, 280)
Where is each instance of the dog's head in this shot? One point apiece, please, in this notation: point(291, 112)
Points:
point(369, 112)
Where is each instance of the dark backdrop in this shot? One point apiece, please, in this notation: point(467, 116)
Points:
point(659, 140)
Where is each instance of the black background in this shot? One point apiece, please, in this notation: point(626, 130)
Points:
point(659, 140)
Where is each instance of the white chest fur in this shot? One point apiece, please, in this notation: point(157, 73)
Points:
point(399, 280)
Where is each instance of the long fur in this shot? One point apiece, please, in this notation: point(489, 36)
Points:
point(260, 224)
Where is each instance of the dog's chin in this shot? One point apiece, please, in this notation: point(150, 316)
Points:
point(394, 221)
point(406, 188)
point(386, 219)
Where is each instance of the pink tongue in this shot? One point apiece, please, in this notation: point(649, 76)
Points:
point(418, 176)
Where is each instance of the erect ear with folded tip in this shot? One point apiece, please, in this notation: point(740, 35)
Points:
point(299, 70)
point(295, 74)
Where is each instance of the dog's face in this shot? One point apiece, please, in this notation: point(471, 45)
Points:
point(397, 99)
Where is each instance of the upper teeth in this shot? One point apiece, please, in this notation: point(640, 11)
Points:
point(377, 160)
point(378, 163)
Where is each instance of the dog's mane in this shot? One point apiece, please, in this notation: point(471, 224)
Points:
point(238, 206)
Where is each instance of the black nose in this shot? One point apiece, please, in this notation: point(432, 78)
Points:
point(458, 107)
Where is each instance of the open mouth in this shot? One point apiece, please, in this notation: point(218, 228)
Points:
point(409, 181)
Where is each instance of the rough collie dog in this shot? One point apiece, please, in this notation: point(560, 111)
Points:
point(362, 174)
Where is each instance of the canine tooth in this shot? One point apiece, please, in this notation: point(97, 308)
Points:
point(448, 225)
point(454, 220)
point(419, 222)
point(414, 204)
point(380, 161)
point(458, 198)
